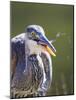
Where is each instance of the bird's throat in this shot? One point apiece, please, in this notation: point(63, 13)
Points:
point(34, 47)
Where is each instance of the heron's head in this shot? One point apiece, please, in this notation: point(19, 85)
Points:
point(37, 34)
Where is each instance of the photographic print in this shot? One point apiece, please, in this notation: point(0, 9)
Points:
point(42, 49)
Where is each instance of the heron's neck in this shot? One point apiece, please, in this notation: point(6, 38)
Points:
point(33, 47)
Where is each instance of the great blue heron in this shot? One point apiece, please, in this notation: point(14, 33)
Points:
point(31, 70)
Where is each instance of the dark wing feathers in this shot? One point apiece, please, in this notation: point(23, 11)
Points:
point(34, 72)
point(44, 86)
point(17, 52)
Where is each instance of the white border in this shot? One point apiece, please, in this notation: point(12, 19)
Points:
point(5, 47)
point(50, 1)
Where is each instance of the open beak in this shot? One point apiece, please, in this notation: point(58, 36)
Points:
point(49, 47)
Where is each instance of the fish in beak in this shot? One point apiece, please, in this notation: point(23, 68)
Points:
point(48, 46)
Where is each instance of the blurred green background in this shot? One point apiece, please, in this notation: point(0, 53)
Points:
point(57, 21)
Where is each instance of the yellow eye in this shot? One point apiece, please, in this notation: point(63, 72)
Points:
point(33, 33)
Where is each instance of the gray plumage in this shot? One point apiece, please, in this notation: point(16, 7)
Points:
point(31, 74)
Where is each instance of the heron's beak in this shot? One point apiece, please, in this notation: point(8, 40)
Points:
point(49, 47)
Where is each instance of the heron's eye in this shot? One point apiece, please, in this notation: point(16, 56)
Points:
point(33, 33)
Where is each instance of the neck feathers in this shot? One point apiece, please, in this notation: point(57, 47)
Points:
point(33, 47)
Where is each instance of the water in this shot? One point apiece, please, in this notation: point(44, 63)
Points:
point(57, 21)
